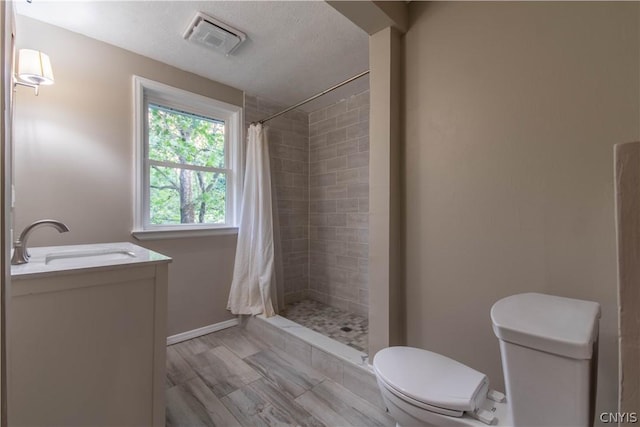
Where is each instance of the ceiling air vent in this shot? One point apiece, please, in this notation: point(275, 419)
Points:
point(213, 34)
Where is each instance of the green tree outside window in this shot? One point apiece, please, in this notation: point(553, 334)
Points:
point(187, 168)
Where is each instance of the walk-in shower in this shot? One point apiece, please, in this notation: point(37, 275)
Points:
point(320, 181)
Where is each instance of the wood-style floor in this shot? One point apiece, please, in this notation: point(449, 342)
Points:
point(229, 378)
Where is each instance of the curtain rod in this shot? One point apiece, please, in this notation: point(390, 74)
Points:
point(349, 80)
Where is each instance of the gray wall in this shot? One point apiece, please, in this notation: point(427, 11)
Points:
point(339, 204)
point(289, 152)
point(511, 113)
point(74, 162)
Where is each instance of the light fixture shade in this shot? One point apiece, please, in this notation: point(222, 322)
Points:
point(35, 67)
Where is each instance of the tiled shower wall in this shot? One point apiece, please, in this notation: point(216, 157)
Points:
point(339, 204)
point(289, 153)
point(320, 174)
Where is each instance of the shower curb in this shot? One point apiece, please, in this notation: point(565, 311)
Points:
point(343, 364)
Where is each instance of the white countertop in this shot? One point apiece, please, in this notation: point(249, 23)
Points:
point(52, 260)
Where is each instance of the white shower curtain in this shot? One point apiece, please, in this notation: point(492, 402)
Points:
point(253, 272)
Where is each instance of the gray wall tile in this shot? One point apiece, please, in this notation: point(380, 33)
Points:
point(316, 116)
point(320, 173)
point(339, 206)
point(289, 153)
point(337, 109)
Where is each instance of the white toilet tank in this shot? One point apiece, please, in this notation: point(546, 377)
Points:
point(549, 349)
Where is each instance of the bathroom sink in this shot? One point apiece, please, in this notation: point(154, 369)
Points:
point(52, 260)
point(88, 255)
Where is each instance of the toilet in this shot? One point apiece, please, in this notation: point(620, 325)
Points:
point(549, 350)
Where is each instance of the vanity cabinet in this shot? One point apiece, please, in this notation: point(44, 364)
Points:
point(88, 337)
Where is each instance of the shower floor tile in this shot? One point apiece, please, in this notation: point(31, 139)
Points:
point(342, 326)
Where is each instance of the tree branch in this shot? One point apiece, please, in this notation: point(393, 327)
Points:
point(173, 183)
point(163, 187)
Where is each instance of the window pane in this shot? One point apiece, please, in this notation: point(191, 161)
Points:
point(185, 138)
point(183, 196)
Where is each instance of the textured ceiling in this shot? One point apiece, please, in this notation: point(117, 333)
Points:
point(293, 49)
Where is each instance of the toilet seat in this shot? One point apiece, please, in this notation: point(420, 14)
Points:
point(431, 381)
point(419, 404)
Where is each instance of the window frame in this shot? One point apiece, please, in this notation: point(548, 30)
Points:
point(148, 91)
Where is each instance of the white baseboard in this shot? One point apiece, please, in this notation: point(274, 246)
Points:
point(174, 339)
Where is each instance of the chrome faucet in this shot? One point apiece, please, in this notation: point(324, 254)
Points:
point(20, 253)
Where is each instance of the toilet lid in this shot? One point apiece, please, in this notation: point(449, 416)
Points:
point(430, 378)
point(564, 326)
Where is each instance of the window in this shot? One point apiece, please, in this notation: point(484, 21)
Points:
point(188, 157)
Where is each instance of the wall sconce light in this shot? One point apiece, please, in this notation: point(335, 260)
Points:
point(34, 69)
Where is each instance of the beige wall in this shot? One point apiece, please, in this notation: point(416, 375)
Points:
point(6, 96)
point(512, 110)
point(74, 162)
point(386, 308)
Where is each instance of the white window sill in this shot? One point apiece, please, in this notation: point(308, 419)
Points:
point(180, 234)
